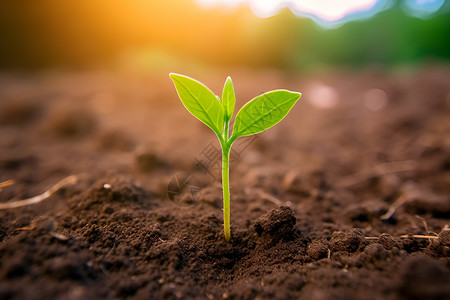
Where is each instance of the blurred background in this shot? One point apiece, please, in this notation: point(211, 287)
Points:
point(294, 35)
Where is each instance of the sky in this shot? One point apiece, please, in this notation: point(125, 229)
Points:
point(330, 13)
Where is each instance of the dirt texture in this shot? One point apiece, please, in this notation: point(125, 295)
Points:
point(347, 198)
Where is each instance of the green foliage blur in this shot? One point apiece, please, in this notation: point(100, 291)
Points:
point(81, 33)
point(389, 38)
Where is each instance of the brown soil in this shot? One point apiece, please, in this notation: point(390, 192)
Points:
point(310, 197)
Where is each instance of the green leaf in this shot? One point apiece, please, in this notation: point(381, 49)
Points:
point(199, 101)
point(228, 99)
point(263, 112)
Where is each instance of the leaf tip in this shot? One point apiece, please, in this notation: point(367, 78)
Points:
point(174, 75)
point(298, 95)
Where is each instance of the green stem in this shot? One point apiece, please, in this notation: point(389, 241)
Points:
point(226, 191)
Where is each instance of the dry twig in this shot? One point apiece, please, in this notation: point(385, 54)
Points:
point(6, 183)
point(393, 208)
point(36, 199)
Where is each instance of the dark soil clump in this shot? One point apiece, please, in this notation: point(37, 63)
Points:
point(277, 224)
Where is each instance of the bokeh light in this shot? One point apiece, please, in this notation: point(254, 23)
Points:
point(151, 35)
point(423, 8)
point(326, 12)
point(329, 13)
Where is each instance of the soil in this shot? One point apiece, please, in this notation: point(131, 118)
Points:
point(347, 198)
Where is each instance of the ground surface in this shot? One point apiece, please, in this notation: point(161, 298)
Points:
point(310, 197)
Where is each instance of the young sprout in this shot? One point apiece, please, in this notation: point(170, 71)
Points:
point(255, 116)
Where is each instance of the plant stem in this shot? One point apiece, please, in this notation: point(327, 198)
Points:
point(226, 191)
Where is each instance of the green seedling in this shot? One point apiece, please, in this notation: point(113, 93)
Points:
point(255, 116)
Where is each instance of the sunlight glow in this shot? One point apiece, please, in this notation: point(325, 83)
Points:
point(331, 10)
point(325, 10)
point(211, 3)
point(329, 13)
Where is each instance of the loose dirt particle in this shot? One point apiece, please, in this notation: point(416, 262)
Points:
point(349, 241)
point(318, 250)
point(444, 238)
point(278, 224)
